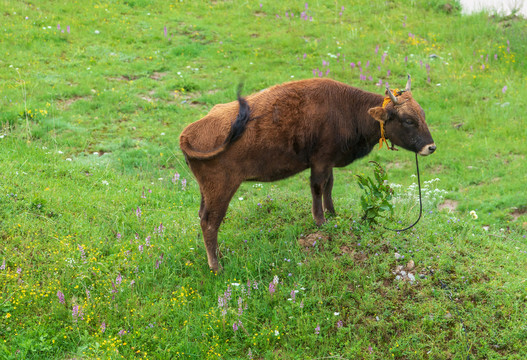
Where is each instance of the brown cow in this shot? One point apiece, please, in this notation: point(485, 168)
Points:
point(278, 132)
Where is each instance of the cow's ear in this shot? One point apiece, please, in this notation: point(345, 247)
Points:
point(378, 113)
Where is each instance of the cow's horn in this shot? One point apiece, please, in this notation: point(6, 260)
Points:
point(408, 83)
point(394, 99)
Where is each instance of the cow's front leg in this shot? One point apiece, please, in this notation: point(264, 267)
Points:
point(326, 196)
point(319, 180)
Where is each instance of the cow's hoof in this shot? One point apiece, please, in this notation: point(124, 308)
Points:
point(320, 222)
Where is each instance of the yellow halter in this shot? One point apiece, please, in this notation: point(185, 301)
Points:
point(384, 103)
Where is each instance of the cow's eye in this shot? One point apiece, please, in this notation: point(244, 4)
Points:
point(408, 122)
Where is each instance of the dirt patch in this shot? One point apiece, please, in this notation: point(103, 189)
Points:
point(123, 78)
point(146, 98)
point(450, 205)
point(158, 75)
point(195, 103)
point(66, 103)
point(310, 241)
point(518, 212)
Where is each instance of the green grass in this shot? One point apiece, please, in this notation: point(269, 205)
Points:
point(89, 124)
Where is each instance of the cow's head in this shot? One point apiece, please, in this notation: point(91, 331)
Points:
point(404, 121)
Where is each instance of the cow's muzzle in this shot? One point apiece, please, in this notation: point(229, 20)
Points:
point(427, 149)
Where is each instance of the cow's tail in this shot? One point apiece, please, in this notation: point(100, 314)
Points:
point(237, 129)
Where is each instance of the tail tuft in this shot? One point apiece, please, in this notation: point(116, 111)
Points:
point(244, 115)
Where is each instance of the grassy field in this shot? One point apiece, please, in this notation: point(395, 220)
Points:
point(101, 255)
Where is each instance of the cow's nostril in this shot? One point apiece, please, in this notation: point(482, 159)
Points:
point(432, 148)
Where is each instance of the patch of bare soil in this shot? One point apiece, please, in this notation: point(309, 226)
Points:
point(309, 241)
point(450, 205)
point(518, 212)
point(123, 78)
point(158, 75)
point(66, 103)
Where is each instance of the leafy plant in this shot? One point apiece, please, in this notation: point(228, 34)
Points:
point(377, 194)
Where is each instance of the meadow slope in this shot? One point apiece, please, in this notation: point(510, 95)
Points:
point(101, 254)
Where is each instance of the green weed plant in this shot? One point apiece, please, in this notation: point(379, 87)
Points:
point(377, 195)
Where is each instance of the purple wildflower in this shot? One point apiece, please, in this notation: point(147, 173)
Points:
point(157, 264)
point(271, 288)
point(183, 184)
point(228, 293)
point(339, 324)
point(118, 279)
point(147, 240)
point(60, 295)
point(301, 304)
point(376, 49)
point(165, 31)
point(138, 212)
point(68, 29)
point(76, 313)
point(83, 254)
point(19, 271)
point(132, 283)
point(2, 267)
point(103, 327)
point(58, 26)
point(235, 327)
point(352, 65)
point(122, 332)
point(293, 295)
point(504, 89)
point(141, 248)
point(317, 330)
point(240, 307)
point(88, 296)
point(175, 178)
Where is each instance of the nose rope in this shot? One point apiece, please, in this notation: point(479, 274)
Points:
point(420, 200)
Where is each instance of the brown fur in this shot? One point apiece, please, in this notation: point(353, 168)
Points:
point(316, 123)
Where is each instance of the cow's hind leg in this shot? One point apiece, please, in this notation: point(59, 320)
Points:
point(201, 206)
point(319, 180)
point(326, 196)
point(213, 211)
